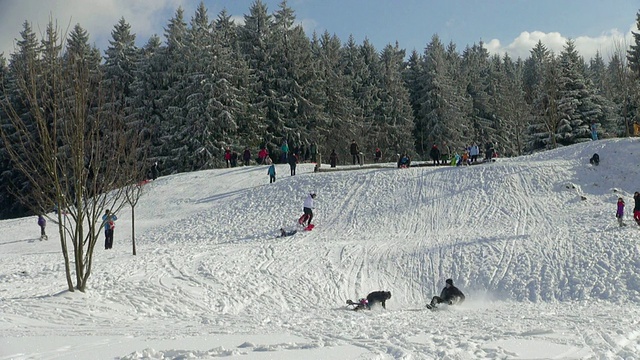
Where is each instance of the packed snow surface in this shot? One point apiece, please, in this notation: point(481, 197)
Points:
point(532, 242)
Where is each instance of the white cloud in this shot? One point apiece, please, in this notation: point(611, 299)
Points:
point(587, 46)
point(98, 17)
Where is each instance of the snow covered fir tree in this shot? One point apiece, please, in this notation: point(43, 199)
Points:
point(210, 84)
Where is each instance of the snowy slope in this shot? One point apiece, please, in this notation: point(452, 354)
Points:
point(532, 241)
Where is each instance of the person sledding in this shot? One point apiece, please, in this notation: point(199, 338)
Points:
point(450, 295)
point(307, 208)
point(373, 298)
point(361, 304)
point(285, 233)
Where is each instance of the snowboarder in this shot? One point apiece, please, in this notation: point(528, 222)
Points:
point(272, 173)
point(42, 222)
point(109, 225)
point(620, 212)
point(595, 160)
point(333, 158)
point(450, 295)
point(307, 208)
point(636, 208)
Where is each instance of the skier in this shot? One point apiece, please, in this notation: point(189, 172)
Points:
point(307, 208)
point(450, 295)
point(42, 222)
point(109, 225)
point(636, 208)
point(620, 212)
point(272, 173)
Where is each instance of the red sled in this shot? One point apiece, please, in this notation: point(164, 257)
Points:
point(303, 219)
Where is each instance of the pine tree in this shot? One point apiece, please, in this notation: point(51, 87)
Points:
point(578, 106)
point(393, 126)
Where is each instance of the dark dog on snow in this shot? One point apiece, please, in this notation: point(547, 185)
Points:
point(379, 297)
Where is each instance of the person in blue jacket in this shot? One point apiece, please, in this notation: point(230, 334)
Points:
point(108, 220)
point(272, 173)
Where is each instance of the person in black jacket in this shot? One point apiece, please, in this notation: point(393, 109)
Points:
point(355, 152)
point(435, 154)
point(450, 295)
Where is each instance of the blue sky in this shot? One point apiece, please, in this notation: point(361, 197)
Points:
point(512, 26)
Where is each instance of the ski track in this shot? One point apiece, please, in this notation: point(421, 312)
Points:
point(522, 255)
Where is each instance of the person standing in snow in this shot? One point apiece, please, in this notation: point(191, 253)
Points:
point(246, 157)
point(227, 157)
point(435, 154)
point(307, 208)
point(474, 151)
point(594, 131)
point(620, 211)
point(42, 222)
point(272, 173)
point(636, 208)
point(109, 225)
point(313, 151)
point(333, 158)
point(449, 295)
point(293, 160)
point(285, 151)
point(377, 155)
point(355, 152)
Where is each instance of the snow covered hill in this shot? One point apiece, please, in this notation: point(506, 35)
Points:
point(532, 242)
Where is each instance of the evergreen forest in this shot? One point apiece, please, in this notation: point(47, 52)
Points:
point(209, 84)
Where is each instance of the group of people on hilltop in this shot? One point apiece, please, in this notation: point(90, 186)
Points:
point(636, 209)
point(301, 153)
point(468, 156)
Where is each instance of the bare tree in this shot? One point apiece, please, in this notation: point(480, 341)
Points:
point(75, 155)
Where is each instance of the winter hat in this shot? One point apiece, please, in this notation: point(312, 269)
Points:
point(449, 281)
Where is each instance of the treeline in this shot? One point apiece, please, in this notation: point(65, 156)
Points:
point(210, 84)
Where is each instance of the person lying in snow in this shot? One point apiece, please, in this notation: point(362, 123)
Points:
point(284, 232)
